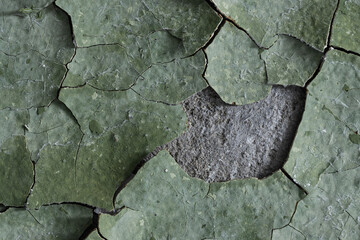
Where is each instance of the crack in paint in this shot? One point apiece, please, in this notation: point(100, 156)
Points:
point(95, 224)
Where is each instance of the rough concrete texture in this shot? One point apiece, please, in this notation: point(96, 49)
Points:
point(225, 142)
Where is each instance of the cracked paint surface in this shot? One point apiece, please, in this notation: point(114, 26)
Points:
point(306, 20)
point(32, 67)
point(207, 210)
point(90, 88)
point(241, 65)
point(116, 130)
point(48, 222)
point(323, 142)
point(346, 30)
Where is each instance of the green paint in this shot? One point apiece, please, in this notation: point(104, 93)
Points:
point(354, 138)
point(16, 170)
point(95, 127)
point(127, 225)
point(235, 69)
point(129, 128)
point(346, 28)
point(105, 67)
point(94, 236)
point(306, 20)
point(330, 207)
point(331, 114)
point(287, 233)
point(176, 206)
point(16, 173)
point(135, 25)
point(23, 5)
point(173, 82)
point(46, 223)
point(290, 61)
point(33, 54)
point(136, 62)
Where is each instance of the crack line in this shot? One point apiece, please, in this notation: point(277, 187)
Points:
point(91, 228)
point(34, 181)
point(217, 10)
point(33, 217)
point(326, 50)
point(288, 224)
point(155, 101)
point(345, 50)
point(331, 24)
point(317, 70)
point(76, 157)
point(293, 181)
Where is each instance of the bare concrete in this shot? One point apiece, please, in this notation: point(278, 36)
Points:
point(225, 142)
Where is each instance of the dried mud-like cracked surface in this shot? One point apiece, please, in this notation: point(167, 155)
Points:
point(179, 120)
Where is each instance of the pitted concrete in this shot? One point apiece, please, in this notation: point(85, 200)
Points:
point(225, 142)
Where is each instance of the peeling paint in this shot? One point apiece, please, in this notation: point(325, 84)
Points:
point(88, 89)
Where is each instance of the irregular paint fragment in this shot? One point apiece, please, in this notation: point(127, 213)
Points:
point(127, 225)
point(136, 24)
point(105, 67)
point(120, 129)
point(346, 28)
point(235, 69)
point(44, 130)
point(290, 61)
point(47, 223)
point(11, 7)
point(329, 209)
point(110, 68)
point(241, 72)
point(192, 209)
point(338, 87)
point(331, 116)
point(173, 82)
point(94, 236)
point(33, 51)
point(324, 158)
point(306, 20)
point(16, 171)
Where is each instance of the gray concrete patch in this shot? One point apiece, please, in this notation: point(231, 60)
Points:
point(225, 142)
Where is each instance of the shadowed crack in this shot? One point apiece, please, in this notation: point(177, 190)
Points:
point(345, 50)
point(217, 10)
point(3, 208)
point(332, 23)
point(318, 69)
point(213, 36)
point(293, 181)
point(327, 48)
point(74, 46)
point(93, 227)
point(34, 181)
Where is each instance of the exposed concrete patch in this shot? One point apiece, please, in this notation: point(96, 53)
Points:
point(225, 142)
